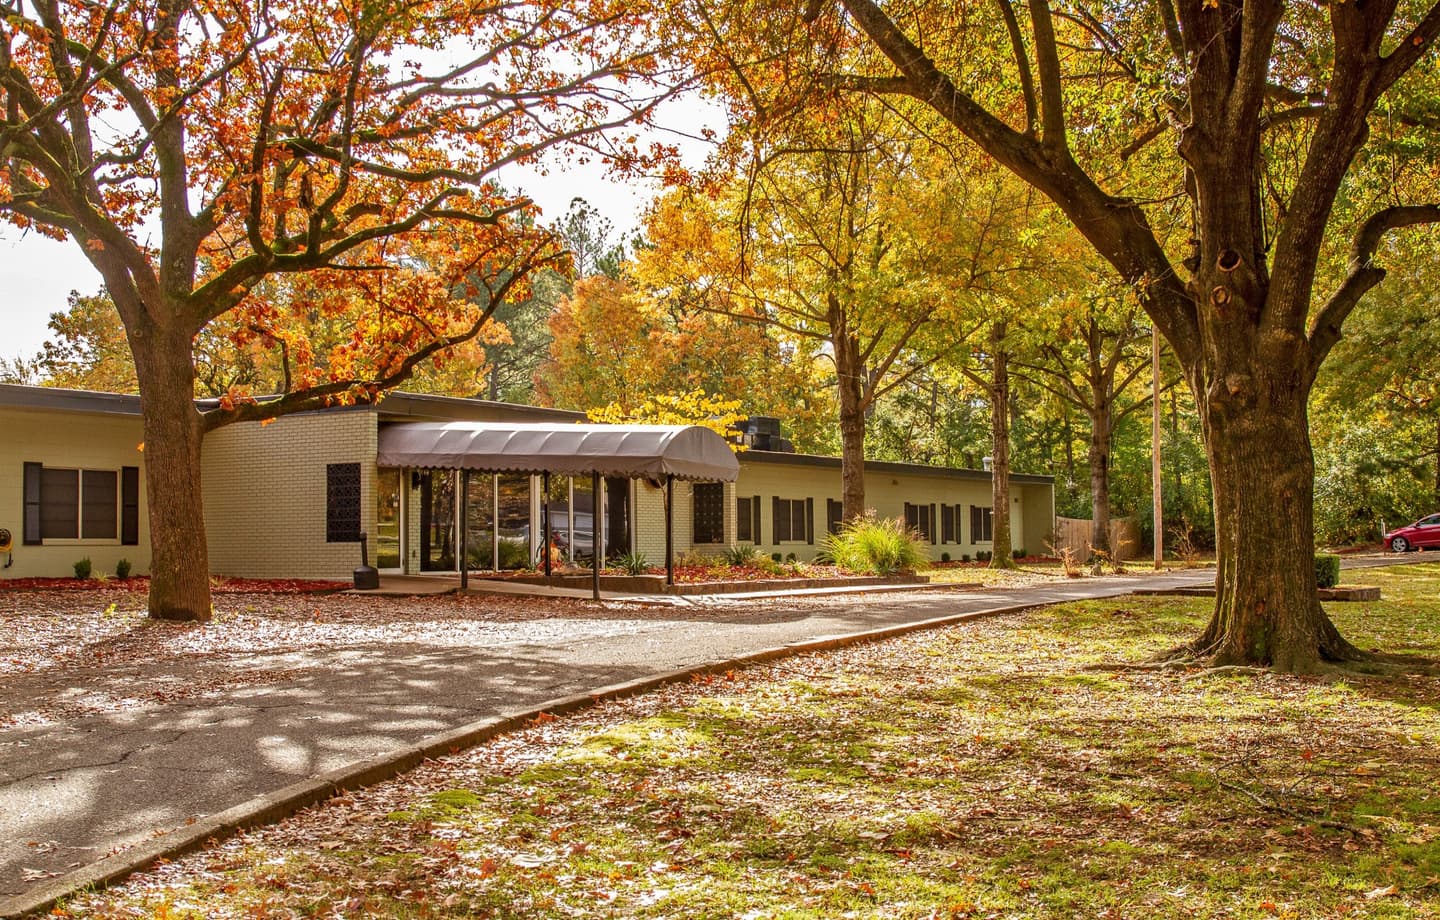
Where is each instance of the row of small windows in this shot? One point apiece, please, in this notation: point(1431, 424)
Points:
point(793, 519)
point(76, 504)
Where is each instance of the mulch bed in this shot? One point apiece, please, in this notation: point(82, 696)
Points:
point(141, 583)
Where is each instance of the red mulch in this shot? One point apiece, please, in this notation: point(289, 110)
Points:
point(141, 583)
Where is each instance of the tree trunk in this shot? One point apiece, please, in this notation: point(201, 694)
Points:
point(1437, 460)
point(1001, 557)
point(851, 387)
point(180, 562)
point(1266, 608)
point(1100, 479)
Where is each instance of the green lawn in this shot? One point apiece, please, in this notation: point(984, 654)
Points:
point(977, 771)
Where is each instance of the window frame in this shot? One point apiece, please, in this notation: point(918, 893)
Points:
point(986, 516)
point(792, 511)
point(38, 536)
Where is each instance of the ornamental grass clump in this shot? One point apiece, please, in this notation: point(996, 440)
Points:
point(877, 546)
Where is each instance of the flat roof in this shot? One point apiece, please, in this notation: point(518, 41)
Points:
point(396, 405)
point(888, 466)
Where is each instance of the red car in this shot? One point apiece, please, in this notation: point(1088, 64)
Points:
point(1419, 535)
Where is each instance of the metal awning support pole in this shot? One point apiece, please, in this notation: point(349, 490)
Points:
point(595, 535)
point(495, 522)
point(669, 529)
point(545, 513)
point(464, 530)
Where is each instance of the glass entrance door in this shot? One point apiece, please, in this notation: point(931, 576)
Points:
point(438, 513)
point(387, 519)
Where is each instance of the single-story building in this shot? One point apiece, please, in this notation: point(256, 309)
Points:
point(286, 499)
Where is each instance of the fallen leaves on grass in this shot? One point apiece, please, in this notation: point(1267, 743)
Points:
point(978, 771)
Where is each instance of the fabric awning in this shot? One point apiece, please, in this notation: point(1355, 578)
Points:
point(630, 451)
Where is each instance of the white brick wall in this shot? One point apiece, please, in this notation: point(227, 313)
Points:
point(265, 494)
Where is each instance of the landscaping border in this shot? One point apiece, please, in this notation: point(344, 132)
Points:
point(282, 803)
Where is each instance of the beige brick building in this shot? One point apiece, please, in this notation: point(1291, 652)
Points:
point(290, 498)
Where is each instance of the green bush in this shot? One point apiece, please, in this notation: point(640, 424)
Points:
point(776, 557)
point(878, 546)
point(632, 563)
point(122, 569)
point(1018, 553)
point(944, 557)
point(82, 568)
point(1327, 570)
point(964, 557)
point(741, 554)
point(983, 555)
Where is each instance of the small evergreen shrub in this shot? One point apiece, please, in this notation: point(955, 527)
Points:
point(1018, 553)
point(983, 555)
point(122, 569)
point(1327, 570)
point(944, 557)
point(776, 557)
point(82, 568)
point(632, 563)
point(964, 557)
point(877, 546)
point(791, 557)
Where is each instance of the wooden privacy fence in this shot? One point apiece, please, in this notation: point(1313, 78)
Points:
point(1074, 534)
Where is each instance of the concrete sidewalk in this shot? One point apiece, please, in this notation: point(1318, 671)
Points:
point(73, 793)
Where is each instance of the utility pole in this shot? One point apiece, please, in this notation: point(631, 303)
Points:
point(1155, 445)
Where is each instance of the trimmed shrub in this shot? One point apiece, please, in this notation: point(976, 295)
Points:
point(877, 546)
point(1018, 553)
point(82, 568)
point(983, 555)
point(944, 557)
point(776, 557)
point(965, 557)
point(1327, 570)
point(122, 569)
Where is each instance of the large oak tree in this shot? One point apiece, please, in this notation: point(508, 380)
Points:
point(240, 164)
point(1211, 151)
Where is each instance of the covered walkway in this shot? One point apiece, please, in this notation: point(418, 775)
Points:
point(659, 454)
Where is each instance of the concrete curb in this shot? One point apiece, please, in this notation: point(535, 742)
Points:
point(282, 803)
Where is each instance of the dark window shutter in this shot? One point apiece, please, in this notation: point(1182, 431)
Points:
point(130, 505)
point(342, 503)
point(975, 524)
point(934, 531)
point(810, 521)
point(755, 519)
point(947, 524)
point(779, 521)
point(742, 520)
point(32, 504)
point(911, 518)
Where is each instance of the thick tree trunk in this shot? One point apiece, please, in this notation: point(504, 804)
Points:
point(1000, 450)
point(1266, 608)
point(180, 562)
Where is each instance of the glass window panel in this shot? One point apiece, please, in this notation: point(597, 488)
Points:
point(387, 519)
point(59, 504)
point(100, 504)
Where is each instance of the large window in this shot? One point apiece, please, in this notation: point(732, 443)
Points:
point(794, 521)
point(707, 501)
point(921, 519)
point(74, 504)
point(982, 523)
